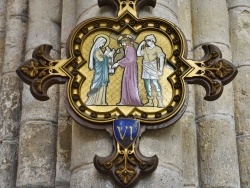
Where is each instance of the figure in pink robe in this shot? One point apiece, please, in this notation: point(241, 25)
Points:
point(129, 93)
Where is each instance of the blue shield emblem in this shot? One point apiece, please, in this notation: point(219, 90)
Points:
point(126, 131)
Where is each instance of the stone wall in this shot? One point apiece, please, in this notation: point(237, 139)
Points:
point(40, 145)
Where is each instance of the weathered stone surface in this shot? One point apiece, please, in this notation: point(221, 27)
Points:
point(94, 12)
point(2, 33)
point(239, 11)
point(217, 152)
point(164, 176)
point(159, 11)
point(184, 15)
point(88, 176)
point(64, 137)
point(68, 20)
point(87, 143)
point(14, 44)
point(2, 16)
point(189, 135)
point(165, 143)
point(37, 153)
point(240, 34)
point(211, 22)
point(242, 101)
point(46, 111)
point(16, 27)
point(189, 149)
point(238, 3)
point(10, 106)
point(44, 21)
point(244, 160)
point(8, 163)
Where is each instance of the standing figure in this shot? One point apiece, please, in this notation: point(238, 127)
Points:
point(129, 93)
point(151, 69)
point(99, 63)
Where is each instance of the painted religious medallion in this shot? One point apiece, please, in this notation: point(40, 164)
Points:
point(126, 75)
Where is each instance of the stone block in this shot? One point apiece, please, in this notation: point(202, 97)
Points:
point(87, 143)
point(165, 143)
point(184, 17)
point(37, 154)
point(164, 176)
point(191, 99)
point(47, 10)
point(161, 12)
point(169, 4)
point(189, 149)
point(240, 35)
point(244, 160)
point(62, 108)
point(33, 109)
point(94, 12)
point(210, 22)
point(68, 19)
point(10, 106)
point(237, 3)
point(242, 101)
point(223, 105)
point(45, 25)
point(217, 153)
point(43, 32)
point(17, 8)
point(2, 16)
point(88, 176)
point(8, 163)
point(64, 136)
point(14, 43)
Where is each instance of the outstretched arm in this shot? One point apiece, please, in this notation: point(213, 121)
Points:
point(130, 57)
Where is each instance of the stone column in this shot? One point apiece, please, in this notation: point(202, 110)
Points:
point(218, 160)
point(239, 11)
point(189, 136)
point(16, 26)
point(64, 131)
point(37, 144)
point(166, 143)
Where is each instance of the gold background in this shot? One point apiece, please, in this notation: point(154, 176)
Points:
point(115, 80)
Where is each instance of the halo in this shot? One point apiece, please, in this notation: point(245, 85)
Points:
point(103, 36)
point(123, 36)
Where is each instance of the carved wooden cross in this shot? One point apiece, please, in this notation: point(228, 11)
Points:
point(126, 75)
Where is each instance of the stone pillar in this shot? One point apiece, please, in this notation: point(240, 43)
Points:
point(218, 160)
point(16, 26)
point(64, 131)
point(37, 144)
point(189, 136)
point(166, 143)
point(239, 11)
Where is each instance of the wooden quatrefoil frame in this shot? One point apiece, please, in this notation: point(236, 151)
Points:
point(212, 72)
